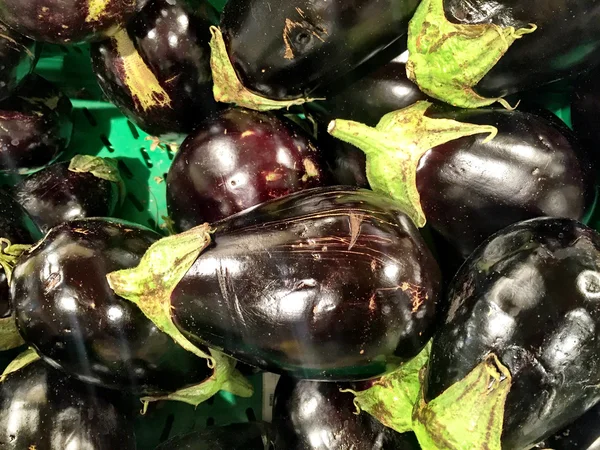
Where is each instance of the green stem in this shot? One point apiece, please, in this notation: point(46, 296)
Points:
point(9, 334)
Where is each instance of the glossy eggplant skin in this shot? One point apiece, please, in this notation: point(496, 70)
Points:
point(41, 408)
point(528, 295)
point(286, 49)
point(326, 284)
point(56, 194)
point(583, 434)
point(18, 228)
point(66, 21)
point(585, 112)
point(237, 436)
point(71, 316)
point(237, 160)
point(172, 39)
point(311, 415)
point(35, 126)
point(566, 42)
point(19, 56)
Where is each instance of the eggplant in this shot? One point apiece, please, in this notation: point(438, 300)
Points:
point(528, 296)
point(237, 436)
point(237, 160)
point(19, 56)
point(509, 46)
point(472, 187)
point(157, 71)
point(85, 186)
point(66, 21)
point(311, 415)
point(35, 126)
point(68, 313)
point(285, 50)
point(43, 409)
point(585, 111)
point(582, 434)
point(326, 284)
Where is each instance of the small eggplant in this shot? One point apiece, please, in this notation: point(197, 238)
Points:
point(528, 297)
point(157, 71)
point(328, 283)
point(19, 56)
point(237, 160)
point(237, 436)
point(284, 50)
point(472, 187)
point(35, 126)
point(68, 313)
point(85, 186)
point(310, 415)
point(66, 21)
point(43, 409)
point(585, 112)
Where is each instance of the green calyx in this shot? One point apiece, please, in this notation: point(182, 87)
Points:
point(9, 334)
point(467, 415)
point(150, 285)
point(227, 88)
point(22, 360)
point(395, 146)
point(447, 60)
point(9, 255)
point(392, 398)
point(103, 168)
point(225, 377)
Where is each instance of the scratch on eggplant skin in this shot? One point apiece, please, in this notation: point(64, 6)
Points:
point(143, 85)
point(355, 222)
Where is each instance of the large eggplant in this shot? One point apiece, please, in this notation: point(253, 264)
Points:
point(472, 187)
point(237, 436)
point(528, 296)
point(237, 160)
point(35, 126)
point(157, 71)
point(310, 415)
point(509, 46)
point(19, 56)
point(68, 313)
point(66, 21)
point(286, 49)
point(585, 112)
point(43, 409)
point(85, 186)
point(328, 283)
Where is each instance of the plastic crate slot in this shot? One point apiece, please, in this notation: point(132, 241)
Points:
point(166, 431)
point(146, 157)
point(170, 155)
point(77, 50)
point(133, 129)
point(125, 171)
point(107, 143)
point(250, 415)
point(210, 422)
point(90, 118)
point(64, 49)
point(152, 222)
point(135, 202)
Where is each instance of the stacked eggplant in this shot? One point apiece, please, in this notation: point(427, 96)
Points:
point(385, 231)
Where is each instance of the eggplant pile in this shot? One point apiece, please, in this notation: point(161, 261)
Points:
point(349, 231)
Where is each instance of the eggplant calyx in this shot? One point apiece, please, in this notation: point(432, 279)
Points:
point(392, 397)
point(22, 360)
point(469, 414)
point(395, 146)
point(150, 284)
point(9, 255)
point(225, 377)
point(227, 87)
point(9, 334)
point(447, 60)
point(103, 168)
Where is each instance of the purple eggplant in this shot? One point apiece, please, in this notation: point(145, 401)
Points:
point(18, 56)
point(66, 21)
point(157, 71)
point(237, 160)
point(237, 436)
point(585, 112)
point(85, 186)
